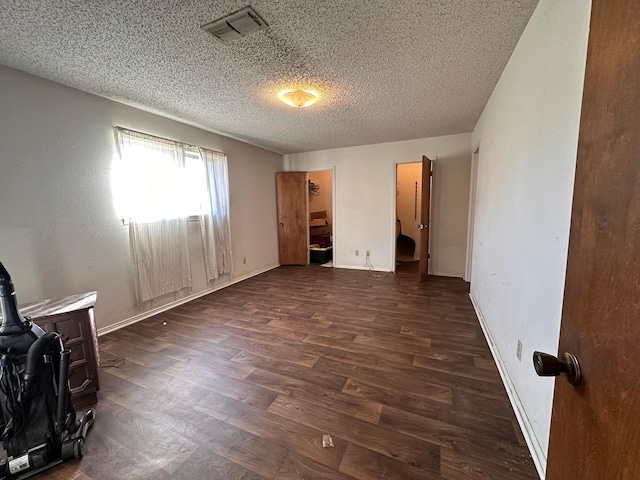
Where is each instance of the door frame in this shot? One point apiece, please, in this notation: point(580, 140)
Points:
point(473, 198)
point(333, 206)
point(394, 203)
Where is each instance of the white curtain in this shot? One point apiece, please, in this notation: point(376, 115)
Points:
point(160, 255)
point(152, 187)
point(214, 215)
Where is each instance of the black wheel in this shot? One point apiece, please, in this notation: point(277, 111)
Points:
point(78, 448)
point(68, 450)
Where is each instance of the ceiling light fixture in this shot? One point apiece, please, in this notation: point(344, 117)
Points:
point(298, 98)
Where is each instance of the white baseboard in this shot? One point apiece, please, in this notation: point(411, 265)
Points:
point(154, 311)
point(362, 267)
point(447, 274)
point(537, 453)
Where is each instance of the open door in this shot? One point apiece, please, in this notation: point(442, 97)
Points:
point(293, 217)
point(425, 226)
point(595, 426)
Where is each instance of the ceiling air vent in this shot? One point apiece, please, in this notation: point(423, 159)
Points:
point(236, 25)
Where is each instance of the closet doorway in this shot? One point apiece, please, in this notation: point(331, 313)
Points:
point(321, 217)
point(412, 222)
point(305, 217)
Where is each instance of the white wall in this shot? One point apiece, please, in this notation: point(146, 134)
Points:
point(59, 232)
point(365, 199)
point(527, 137)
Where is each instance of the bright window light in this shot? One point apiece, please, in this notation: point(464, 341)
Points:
point(151, 184)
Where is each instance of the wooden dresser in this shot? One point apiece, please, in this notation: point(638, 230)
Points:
point(72, 317)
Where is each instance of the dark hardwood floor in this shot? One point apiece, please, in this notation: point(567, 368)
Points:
point(243, 383)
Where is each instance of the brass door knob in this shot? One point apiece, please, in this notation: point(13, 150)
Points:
point(549, 366)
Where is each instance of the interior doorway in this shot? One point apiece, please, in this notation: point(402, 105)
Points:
point(321, 225)
point(408, 214)
point(413, 226)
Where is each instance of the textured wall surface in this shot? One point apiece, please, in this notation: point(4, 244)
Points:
point(59, 233)
point(365, 199)
point(528, 137)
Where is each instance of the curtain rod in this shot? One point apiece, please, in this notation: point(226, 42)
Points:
point(123, 129)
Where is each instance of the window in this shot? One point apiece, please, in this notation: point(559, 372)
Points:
point(156, 179)
point(157, 185)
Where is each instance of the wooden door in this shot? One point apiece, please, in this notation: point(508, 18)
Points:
point(293, 217)
point(595, 427)
point(425, 226)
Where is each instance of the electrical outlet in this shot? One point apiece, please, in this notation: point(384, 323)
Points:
point(368, 253)
point(357, 253)
point(519, 350)
point(244, 260)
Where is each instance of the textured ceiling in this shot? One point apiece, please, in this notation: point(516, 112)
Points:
point(386, 70)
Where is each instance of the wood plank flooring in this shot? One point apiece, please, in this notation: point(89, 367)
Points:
point(243, 383)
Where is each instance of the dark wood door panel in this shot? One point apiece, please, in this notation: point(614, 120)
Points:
point(293, 218)
point(595, 427)
point(427, 172)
